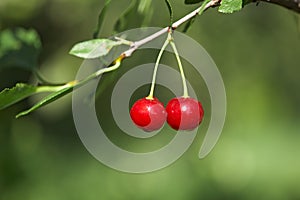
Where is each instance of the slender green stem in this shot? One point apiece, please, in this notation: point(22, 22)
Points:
point(115, 66)
point(137, 44)
point(203, 7)
point(185, 90)
point(76, 84)
point(49, 88)
point(134, 45)
point(150, 96)
point(174, 26)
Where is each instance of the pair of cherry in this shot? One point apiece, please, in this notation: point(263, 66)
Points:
point(181, 113)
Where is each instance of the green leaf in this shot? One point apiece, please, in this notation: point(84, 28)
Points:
point(60, 91)
point(19, 48)
point(137, 14)
point(21, 91)
point(188, 25)
point(146, 10)
point(192, 20)
point(101, 19)
point(144, 6)
point(230, 6)
point(202, 8)
point(192, 1)
point(48, 99)
point(124, 20)
point(170, 10)
point(15, 94)
point(94, 48)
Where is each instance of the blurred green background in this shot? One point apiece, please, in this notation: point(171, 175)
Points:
point(257, 157)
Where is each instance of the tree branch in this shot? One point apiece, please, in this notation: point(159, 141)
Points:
point(289, 4)
point(176, 24)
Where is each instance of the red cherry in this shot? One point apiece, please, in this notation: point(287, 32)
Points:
point(184, 113)
point(148, 114)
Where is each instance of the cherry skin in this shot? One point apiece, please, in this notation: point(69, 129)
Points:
point(148, 114)
point(184, 113)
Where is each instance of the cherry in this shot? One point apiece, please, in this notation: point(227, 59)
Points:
point(184, 113)
point(148, 114)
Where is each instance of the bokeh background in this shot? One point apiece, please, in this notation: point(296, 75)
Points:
point(257, 157)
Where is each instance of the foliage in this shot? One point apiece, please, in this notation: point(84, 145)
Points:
point(21, 48)
point(94, 48)
point(142, 11)
point(256, 158)
point(230, 6)
point(16, 94)
point(101, 19)
point(61, 91)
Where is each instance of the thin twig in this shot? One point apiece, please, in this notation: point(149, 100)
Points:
point(135, 45)
point(175, 25)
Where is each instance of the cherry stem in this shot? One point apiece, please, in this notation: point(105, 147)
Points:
point(150, 96)
point(185, 90)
